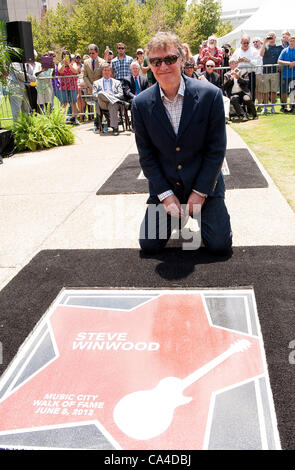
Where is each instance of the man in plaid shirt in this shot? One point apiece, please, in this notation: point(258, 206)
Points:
point(121, 64)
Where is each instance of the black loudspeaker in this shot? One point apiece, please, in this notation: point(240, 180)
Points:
point(19, 34)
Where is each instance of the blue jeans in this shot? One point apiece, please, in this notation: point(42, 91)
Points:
point(215, 227)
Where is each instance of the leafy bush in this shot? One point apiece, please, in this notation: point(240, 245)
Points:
point(38, 131)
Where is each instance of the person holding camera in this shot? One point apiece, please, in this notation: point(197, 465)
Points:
point(44, 83)
point(270, 82)
point(236, 88)
point(226, 52)
point(287, 60)
point(69, 83)
point(248, 58)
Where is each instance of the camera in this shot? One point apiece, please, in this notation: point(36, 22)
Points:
point(226, 50)
point(47, 62)
point(269, 37)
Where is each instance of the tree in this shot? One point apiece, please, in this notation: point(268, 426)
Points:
point(105, 22)
point(161, 15)
point(202, 19)
point(55, 31)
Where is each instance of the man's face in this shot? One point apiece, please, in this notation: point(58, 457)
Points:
point(121, 51)
point(166, 75)
point(257, 44)
point(272, 41)
point(245, 44)
point(212, 44)
point(189, 70)
point(209, 68)
point(107, 72)
point(93, 53)
point(233, 65)
point(292, 43)
point(135, 71)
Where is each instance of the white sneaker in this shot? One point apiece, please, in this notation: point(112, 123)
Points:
point(265, 110)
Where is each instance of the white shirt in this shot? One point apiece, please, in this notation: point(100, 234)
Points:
point(236, 87)
point(251, 54)
point(174, 110)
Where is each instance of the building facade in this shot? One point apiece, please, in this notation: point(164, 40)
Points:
point(237, 16)
point(19, 10)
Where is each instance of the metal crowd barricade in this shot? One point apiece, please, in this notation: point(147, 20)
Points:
point(67, 92)
point(285, 91)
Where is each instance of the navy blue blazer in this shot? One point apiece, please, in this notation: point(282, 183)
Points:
point(195, 155)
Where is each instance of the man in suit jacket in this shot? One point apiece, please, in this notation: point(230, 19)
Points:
point(92, 70)
point(133, 85)
point(130, 87)
point(236, 87)
point(210, 75)
point(181, 139)
point(109, 92)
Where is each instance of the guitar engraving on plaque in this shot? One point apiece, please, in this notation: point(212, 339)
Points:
point(146, 414)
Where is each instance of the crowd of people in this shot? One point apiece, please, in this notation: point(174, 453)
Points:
point(258, 69)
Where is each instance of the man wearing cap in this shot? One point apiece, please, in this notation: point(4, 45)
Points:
point(108, 55)
point(140, 58)
point(287, 59)
point(270, 53)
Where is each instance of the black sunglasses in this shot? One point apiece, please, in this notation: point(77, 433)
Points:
point(169, 60)
point(209, 66)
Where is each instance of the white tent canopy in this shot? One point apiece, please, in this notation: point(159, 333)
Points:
point(271, 16)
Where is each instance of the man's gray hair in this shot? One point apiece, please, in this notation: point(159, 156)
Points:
point(164, 39)
point(134, 64)
point(93, 46)
point(104, 65)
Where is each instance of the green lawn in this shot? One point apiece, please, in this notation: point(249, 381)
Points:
point(271, 138)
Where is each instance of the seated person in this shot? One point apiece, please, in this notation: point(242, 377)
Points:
point(236, 87)
point(210, 75)
point(134, 84)
point(189, 69)
point(109, 93)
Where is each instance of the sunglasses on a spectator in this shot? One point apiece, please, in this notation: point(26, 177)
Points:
point(120, 47)
point(209, 66)
point(169, 60)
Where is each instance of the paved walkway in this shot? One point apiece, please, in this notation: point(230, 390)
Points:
point(48, 201)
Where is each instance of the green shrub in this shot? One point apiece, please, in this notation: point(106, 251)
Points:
point(38, 131)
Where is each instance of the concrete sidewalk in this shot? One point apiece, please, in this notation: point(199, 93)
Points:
point(49, 201)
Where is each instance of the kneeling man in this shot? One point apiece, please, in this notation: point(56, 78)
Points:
point(181, 139)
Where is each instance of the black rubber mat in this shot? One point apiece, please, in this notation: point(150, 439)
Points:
point(244, 173)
